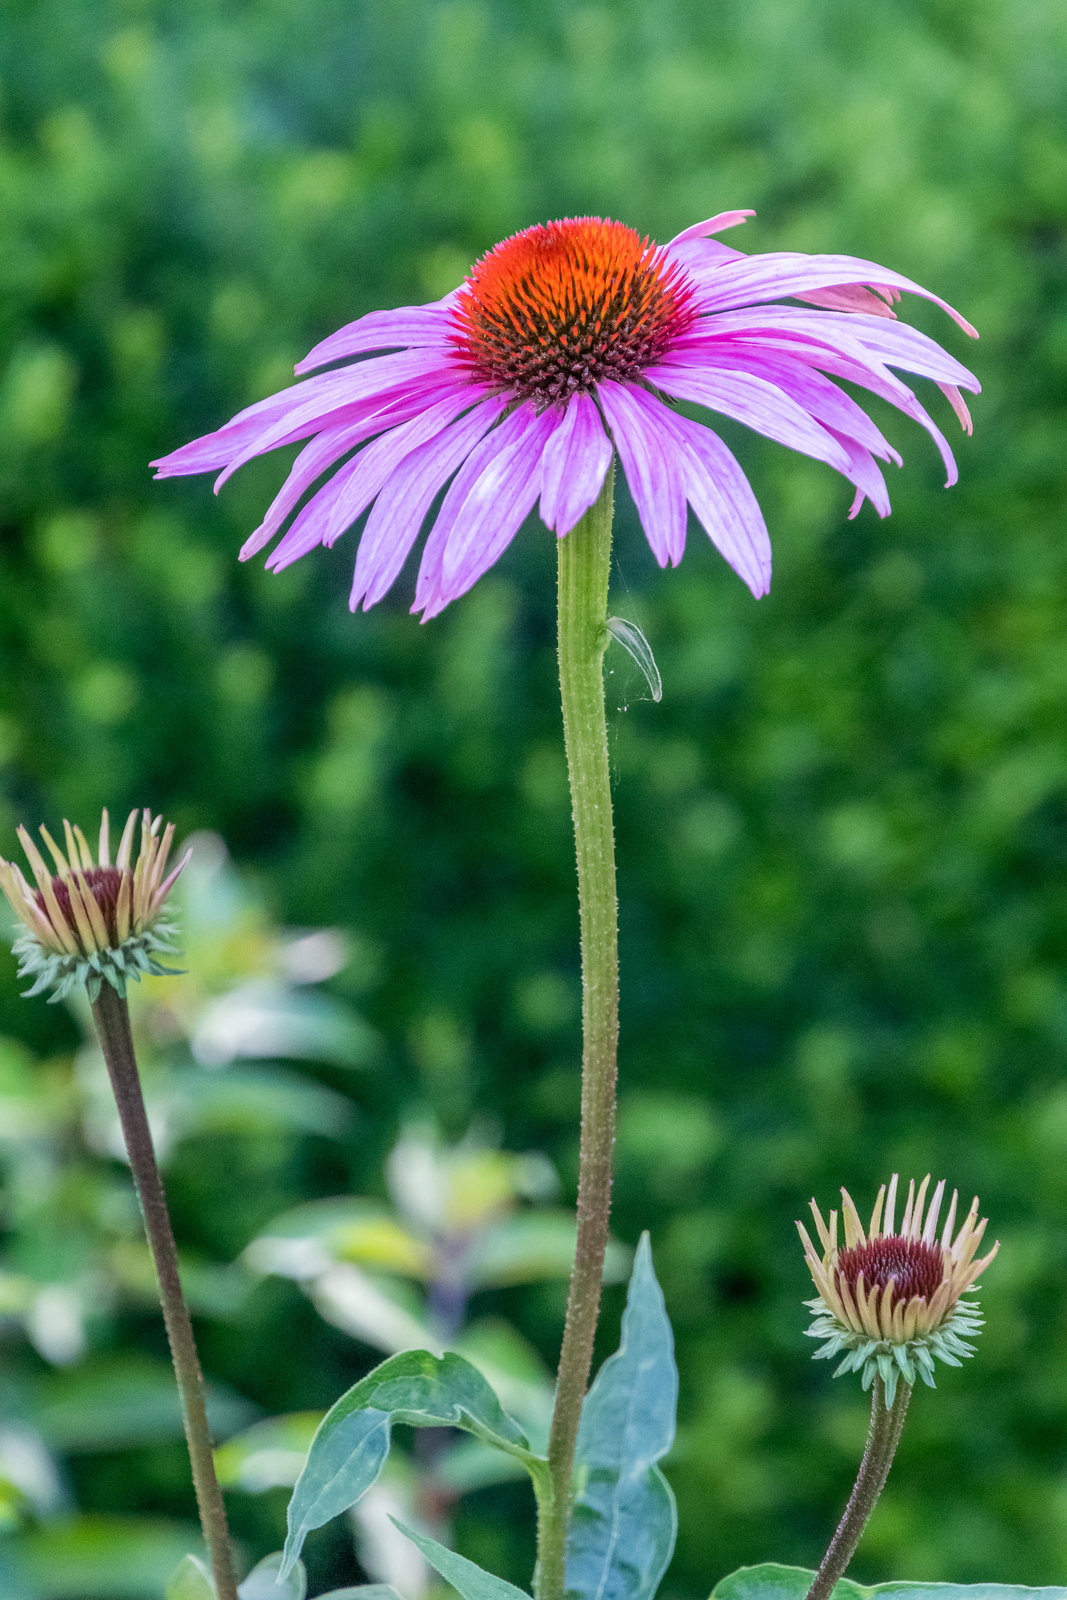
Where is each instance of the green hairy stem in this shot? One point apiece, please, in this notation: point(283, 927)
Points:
point(883, 1436)
point(584, 561)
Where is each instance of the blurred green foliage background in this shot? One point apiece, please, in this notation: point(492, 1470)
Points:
point(842, 834)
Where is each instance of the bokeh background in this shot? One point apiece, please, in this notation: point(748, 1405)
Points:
point(842, 833)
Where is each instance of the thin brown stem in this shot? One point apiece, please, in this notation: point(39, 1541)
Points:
point(112, 1018)
point(883, 1436)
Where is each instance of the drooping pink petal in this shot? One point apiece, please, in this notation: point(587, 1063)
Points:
point(892, 342)
point(651, 467)
point(214, 450)
point(485, 506)
point(370, 470)
point(382, 378)
point(852, 297)
point(397, 515)
point(575, 464)
point(855, 365)
point(352, 488)
point(717, 224)
point(866, 475)
point(780, 273)
point(828, 404)
point(760, 405)
point(320, 454)
point(722, 500)
point(958, 404)
point(405, 328)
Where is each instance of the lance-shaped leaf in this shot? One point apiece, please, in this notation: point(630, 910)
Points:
point(623, 1522)
point(472, 1581)
point(352, 1441)
point(773, 1582)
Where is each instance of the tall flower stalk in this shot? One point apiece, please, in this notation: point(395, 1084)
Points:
point(100, 923)
point(584, 558)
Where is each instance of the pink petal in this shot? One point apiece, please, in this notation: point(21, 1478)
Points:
point(310, 464)
point(348, 494)
point(381, 379)
point(716, 224)
point(490, 498)
point(749, 399)
point(823, 400)
point(779, 273)
point(574, 465)
point(405, 327)
point(893, 342)
point(371, 469)
point(851, 297)
point(214, 450)
point(865, 474)
point(651, 466)
point(400, 509)
point(722, 499)
point(856, 366)
point(958, 404)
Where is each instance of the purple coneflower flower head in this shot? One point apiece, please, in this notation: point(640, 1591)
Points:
point(93, 919)
point(566, 344)
point(890, 1301)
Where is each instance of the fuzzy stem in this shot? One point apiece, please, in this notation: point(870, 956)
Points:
point(883, 1436)
point(584, 561)
point(112, 1018)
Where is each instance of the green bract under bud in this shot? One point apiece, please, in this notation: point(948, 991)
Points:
point(890, 1301)
point(92, 919)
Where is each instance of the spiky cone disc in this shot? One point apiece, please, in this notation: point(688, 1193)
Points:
point(890, 1300)
point(93, 920)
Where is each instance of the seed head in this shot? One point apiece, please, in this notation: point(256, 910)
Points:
point(92, 920)
point(891, 1301)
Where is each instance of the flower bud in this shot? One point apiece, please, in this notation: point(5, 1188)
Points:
point(92, 920)
point(891, 1300)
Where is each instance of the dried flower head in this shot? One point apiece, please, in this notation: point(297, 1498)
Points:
point(92, 919)
point(891, 1301)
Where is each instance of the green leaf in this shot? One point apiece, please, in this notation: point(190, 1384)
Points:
point(190, 1581)
point(363, 1591)
point(623, 1523)
point(773, 1582)
point(352, 1442)
point(472, 1582)
point(269, 1454)
point(637, 647)
point(266, 1582)
point(94, 1557)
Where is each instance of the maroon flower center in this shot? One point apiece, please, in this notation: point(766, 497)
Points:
point(565, 304)
point(104, 884)
point(915, 1268)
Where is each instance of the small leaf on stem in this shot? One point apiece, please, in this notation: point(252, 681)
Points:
point(352, 1442)
point(472, 1581)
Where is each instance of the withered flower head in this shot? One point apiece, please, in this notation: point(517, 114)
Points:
point(891, 1299)
point(92, 920)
